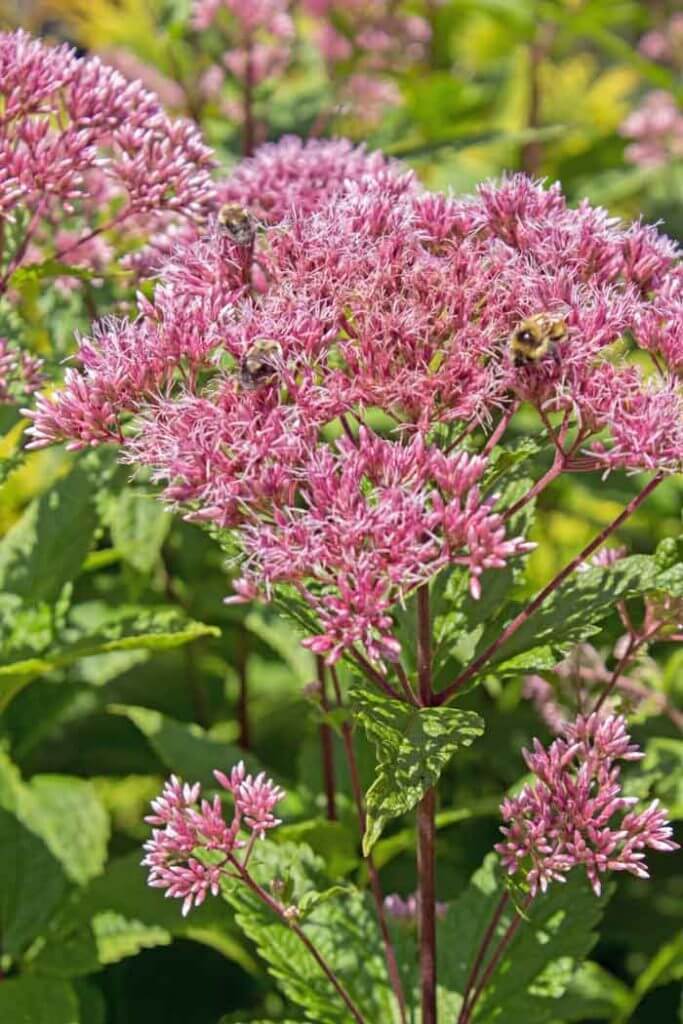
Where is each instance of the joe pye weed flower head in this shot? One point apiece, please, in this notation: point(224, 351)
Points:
point(385, 301)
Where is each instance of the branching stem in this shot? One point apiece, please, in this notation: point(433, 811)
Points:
point(475, 666)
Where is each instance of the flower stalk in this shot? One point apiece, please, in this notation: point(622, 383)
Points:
point(426, 828)
point(475, 666)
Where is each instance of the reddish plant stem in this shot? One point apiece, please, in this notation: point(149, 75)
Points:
point(492, 965)
point(635, 643)
point(249, 132)
point(426, 838)
point(540, 485)
point(326, 748)
point(278, 909)
point(426, 829)
point(501, 427)
point(481, 952)
point(532, 151)
point(241, 664)
point(405, 683)
point(373, 675)
point(20, 252)
point(373, 873)
point(424, 646)
point(533, 606)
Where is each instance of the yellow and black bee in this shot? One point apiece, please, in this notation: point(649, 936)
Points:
point(238, 223)
point(534, 337)
point(261, 364)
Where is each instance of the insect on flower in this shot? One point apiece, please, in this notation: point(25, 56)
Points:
point(238, 223)
point(534, 337)
point(261, 363)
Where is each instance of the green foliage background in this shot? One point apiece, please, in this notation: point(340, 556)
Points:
point(119, 663)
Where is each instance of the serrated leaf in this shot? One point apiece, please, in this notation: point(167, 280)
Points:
point(91, 1005)
point(459, 622)
point(49, 269)
point(118, 937)
point(279, 635)
point(660, 775)
point(138, 524)
point(335, 841)
point(186, 749)
point(32, 885)
point(118, 914)
point(95, 628)
point(65, 812)
point(540, 962)
point(38, 1001)
point(413, 745)
point(343, 929)
point(68, 815)
point(571, 614)
point(46, 547)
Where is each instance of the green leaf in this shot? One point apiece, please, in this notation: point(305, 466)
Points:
point(32, 885)
point(119, 937)
point(278, 634)
point(413, 747)
point(571, 614)
point(52, 268)
point(95, 628)
point(91, 1005)
point(541, 960)
point(459, 620)
point(68, 815)
point(661, 775)
point(47, 546)
point(184, 748)
point(593, 993)
point(139, 525)
point(118, 914)
point(404, 840)
point(335, 841)
point(665, 966)
point(38, 1001)
point(343, 929)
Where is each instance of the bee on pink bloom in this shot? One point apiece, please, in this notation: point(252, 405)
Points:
point(261, 364)
point(534, 337)
point(238, 223)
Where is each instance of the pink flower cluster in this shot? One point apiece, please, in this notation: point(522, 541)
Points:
point(192, 842)
point(405, 910)
point(656, 128)
point(362, 43)
point(260, 33)
point(20, 373)
point(86, 151)
point(665, 44)
point(575, 814)
point(303, 176)
point(381, 300)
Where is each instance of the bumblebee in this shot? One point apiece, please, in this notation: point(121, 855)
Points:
point(534, 337)
point(260, 365)
point(238, 223)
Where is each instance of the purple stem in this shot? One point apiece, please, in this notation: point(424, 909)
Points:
point(426, 829)
point(533, 606)
point(326, 748)
point(481, 952)
point(375, 885)
point(278, 909)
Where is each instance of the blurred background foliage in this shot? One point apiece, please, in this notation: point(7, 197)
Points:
point(175, 680)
